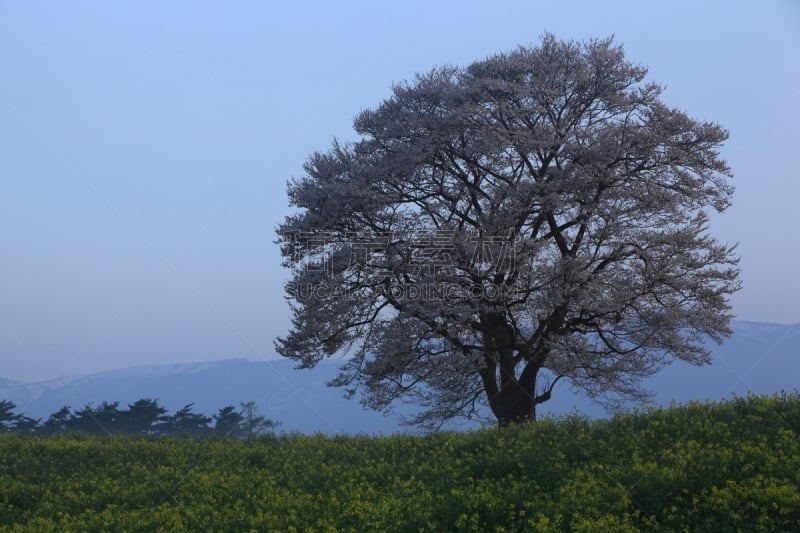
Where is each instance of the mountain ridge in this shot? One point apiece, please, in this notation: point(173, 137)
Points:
point(758, 357)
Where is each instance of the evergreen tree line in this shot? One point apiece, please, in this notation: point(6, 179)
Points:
point(145, 417)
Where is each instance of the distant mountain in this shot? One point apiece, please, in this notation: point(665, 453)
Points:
point(759, 357)
point(298, 399)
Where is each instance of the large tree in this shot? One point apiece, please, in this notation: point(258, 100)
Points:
point(536, 216)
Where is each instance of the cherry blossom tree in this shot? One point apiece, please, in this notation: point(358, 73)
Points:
point(539, 216)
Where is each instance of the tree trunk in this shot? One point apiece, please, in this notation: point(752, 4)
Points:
point(516, 401)
point(513, 405)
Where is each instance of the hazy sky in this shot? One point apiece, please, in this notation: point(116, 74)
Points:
point(145, 148)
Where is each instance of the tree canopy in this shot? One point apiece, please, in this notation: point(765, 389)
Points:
point(537, 216)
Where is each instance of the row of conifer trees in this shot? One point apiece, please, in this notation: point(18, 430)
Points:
point(145, 417)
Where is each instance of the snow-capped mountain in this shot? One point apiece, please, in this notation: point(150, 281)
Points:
point(759, 357)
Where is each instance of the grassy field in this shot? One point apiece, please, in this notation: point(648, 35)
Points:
point(732, 466)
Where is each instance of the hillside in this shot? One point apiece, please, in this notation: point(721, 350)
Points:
point(731, 466)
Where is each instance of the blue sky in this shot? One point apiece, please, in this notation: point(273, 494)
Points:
point(145, 147)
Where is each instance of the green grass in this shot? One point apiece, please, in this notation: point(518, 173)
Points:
point(732, 466)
